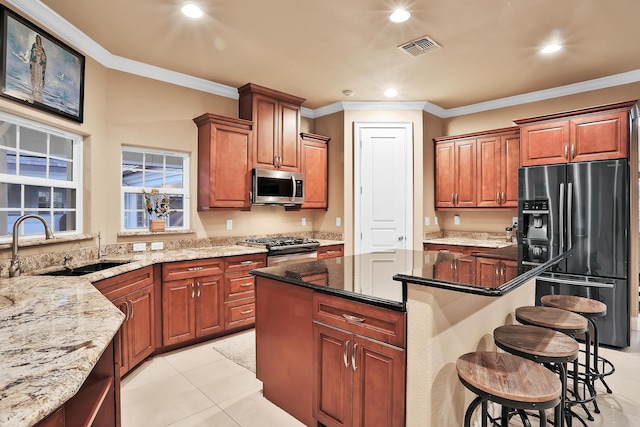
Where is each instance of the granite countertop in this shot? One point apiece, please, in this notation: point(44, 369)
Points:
point(53, 332)
point(324, 242)
point(471, 241)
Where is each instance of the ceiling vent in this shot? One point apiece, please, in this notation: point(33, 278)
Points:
point(419, 46)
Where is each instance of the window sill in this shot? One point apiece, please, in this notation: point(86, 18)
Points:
point(153, 233)
point(24, 242)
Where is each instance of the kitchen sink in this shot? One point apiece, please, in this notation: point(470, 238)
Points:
point(85, 269)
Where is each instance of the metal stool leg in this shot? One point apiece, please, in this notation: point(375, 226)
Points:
point(472, 407)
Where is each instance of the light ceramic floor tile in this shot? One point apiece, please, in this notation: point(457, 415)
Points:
point(152, 370)
point(256, 411)
point(207, 418)
point(223, 380)
point(162, 402)
point(193, 357)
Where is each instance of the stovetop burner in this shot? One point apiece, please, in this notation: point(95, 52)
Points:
point(276, 243)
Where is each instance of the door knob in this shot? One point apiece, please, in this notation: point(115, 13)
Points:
point(401, 238)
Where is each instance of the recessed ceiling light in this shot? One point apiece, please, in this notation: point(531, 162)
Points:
point(192, 10)
point(550, 48)
point(390, 93)
point(400, 15)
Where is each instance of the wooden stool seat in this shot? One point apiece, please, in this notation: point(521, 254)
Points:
point(510, 378)
point(575, 304)
point(536, 342)
point(553, 318)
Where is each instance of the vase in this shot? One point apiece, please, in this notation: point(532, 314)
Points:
point(156, 225)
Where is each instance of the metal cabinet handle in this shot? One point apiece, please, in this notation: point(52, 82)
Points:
point(194, 268)
point(246, 285)
point(193, 291)
point(566, 151)
point(453, 198)
point(132, 309)
point(198, 286)
point(573, 151)
point(504, 199)
point(353, 357)
point(457, 198)
point(246, 312)
point(351, 318)
point(246, 262)
point(344, 356)
point(498, 197)
point(330, 252)
point(126, 312)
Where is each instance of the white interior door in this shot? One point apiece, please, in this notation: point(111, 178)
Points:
point(383, 187)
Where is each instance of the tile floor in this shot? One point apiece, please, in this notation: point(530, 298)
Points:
point(197, 386)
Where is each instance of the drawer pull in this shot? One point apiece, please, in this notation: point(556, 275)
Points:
point(351, 318)
point(245, 285)
point(246, 312)
point(344, 356)
point(194, 268)
point(246, 262)
point(331, 252)
point(353, 357)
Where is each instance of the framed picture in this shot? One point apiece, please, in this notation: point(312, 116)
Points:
point(38, 69)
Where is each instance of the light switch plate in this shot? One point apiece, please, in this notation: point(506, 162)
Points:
point(427, 221)
point(456, 220)
point(304, 221)
point(139, 247)
point(157, 246)
point(435, 220)
point(229, 224)
point(338, 221)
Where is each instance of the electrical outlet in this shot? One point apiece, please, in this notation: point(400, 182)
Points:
point(435, 220)
point(514, 220)
point(427, 221)
point(338, 221)
point(304, 221)
point(157, 246)
point(139, 247)
point(456, 220)
point(229, 224)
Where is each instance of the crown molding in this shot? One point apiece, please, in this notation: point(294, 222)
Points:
point(40, 12)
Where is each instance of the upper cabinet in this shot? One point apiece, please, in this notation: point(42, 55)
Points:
point(478, 169)
point(596, 133)
point(314, 152)
point(224, 162)
point(276, 126)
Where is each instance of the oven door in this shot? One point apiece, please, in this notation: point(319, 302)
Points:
point(291, 258)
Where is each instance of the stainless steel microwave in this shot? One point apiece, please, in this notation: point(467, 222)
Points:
point(275, 187)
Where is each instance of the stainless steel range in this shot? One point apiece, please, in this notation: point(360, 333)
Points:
point(286, 249)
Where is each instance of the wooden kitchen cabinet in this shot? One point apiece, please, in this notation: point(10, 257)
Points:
point(134, 293)
point(492, 272)
point(276, 126)
point(224, 162)
point(455, 173)
point(239, 290)
point(596, 133)
point(498, 160)
point(315, 167)
point(455, 249)
point(359, 364)
point(461, 270)
point(330, 251)
point(191, 300)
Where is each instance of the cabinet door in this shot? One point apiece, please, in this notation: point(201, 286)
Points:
point(509, 164)
point(265, 131)
point(378, 384)
point(288, 144)
point(178, 312)
point(208, 311)
point(333, 376)
point(465, 173)
point(121, 340)
point(140, 327)
point(332, 251)
point(488, 158)
point(230, 178)
point(314, 167)
point(545, 144)
point(465, 269)
point(488, 272)
point(599, 137)
point(445, 189)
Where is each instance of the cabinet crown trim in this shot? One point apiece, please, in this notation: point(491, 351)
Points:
point(621, 106)
point(492, 132)
point(314, 137)
point(209, 118)
point(251, 88)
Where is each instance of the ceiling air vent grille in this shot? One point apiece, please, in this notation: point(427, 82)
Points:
point(419, 46)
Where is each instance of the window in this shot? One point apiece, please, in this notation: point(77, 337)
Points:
point(144, 169)
point(40, 173)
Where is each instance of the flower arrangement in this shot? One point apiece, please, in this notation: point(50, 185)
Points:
point(157, 205)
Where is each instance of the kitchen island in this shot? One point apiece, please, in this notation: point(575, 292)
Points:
point(320, 359)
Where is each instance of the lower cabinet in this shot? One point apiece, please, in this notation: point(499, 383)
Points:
point(191, 300)
point(359, 364)
point(134, 293)
point(239, 290)
point(331, 251)
point(491, 272)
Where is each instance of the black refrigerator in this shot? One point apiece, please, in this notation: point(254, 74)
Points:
point(585, 207)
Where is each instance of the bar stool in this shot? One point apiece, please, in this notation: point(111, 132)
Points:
point(571, 324)
point(544, 346)
point(510, 381)
point(592, 309)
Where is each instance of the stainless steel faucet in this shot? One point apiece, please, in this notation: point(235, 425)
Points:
point(14, 268)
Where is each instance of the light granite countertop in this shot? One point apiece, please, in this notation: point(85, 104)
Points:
point(470, 241)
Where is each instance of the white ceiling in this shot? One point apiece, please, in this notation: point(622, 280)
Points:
point(317, 49)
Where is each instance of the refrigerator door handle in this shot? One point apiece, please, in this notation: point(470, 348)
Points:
point(561, 229)
point(581, 283)
point(569, 214)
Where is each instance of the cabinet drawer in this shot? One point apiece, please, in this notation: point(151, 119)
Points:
point(238, 286)
point(187, 269)
point(122, 284)
point(378, 323)
point(239, 313)
point(332, 251)
point(244, 262)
